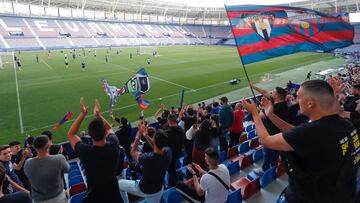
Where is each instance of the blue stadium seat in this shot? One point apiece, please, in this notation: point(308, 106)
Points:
point(75, 180)
point(244, 147)
point(268, 177)
point(179, 174)
point(252, 175)
point(171, 196)
point(222, 156)
point(251, 134)
point(258, 155)
point(178, 164)
point(233, 167)
point(74, 166)
point(248, 117)
point(185, 160)
point(234, 197)
point(77, 198)
point(249, 128)
point(74, 173)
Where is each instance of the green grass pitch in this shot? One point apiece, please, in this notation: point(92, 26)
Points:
point(47, 90)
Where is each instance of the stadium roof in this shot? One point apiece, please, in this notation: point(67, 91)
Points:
point(194, 9)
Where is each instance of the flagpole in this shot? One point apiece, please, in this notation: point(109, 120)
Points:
point(241, 61)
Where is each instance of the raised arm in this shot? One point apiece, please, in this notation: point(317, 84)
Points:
point(97, 113)
point(269, 113)
point(145, 134)
point(261, 91)
point(276, 142)
point(72, 134)
point(134, 149)
point(157, 113)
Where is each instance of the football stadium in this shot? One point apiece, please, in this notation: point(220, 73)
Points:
point(179, 101)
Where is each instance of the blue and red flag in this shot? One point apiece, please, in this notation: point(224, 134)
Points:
point(137, 85)
point(66, 117)
point(264, 32)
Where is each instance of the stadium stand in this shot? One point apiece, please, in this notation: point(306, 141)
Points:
point(240, 161)
point(21, 33)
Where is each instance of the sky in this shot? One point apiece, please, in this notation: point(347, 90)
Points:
point(220, 3)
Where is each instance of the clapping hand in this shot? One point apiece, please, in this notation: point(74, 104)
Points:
point(198, 168)
point(83, 109)
point(191, 170)
point(97, 108)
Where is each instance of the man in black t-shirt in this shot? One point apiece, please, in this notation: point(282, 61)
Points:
point(176, 139)
point(101, 160)
point(189, 118)
point(350, 102)
point(322, 157)
point(277, 96)
point(124, 135)
point(153, 166)
point(18, 157)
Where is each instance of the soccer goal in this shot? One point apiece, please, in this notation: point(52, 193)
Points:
point(148, 50)
point(7, 60)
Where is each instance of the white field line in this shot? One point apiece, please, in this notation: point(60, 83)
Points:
point(171, 95)
point(44, 62)
point(131, 105)
point(18, 97)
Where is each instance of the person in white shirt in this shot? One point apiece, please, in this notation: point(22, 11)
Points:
point(213, 185)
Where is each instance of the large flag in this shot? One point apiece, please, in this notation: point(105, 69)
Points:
point(137, 85)
point(263, 32)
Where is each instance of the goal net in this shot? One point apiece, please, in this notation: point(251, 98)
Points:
point(7, 60)
point(148, 50)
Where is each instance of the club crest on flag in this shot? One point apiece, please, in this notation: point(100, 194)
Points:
point(261, 23)
point(306, 24)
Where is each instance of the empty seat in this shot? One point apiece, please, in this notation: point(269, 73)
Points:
point(234, 197)
point(248, 187)
point(233, 151)
point(233, 167)
point(251, 134)
point(250, 128)
point(257, 155)
point(75, 180)
point(243, 138)
point(77, 188)
point(268, 177)
point(171, 195)
point(243, 147)
point(74, 166)
point(77, 198)
point(74, 173)
point(254, 143)
point(245, 161)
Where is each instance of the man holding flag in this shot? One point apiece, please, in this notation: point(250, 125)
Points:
point(321, 157)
